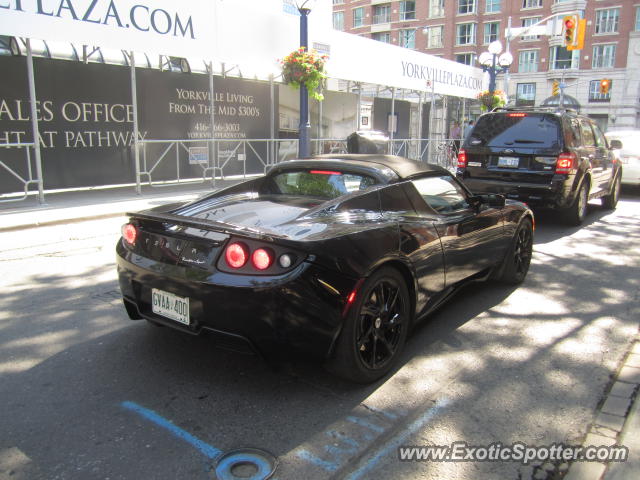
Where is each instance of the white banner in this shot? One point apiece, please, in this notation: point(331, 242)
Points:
point(154, 26)
point(363, 60)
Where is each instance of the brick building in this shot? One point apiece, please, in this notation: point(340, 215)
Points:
point(461, 30)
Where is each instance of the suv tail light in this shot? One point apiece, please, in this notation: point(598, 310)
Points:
point(462, 159)
point(566, 163)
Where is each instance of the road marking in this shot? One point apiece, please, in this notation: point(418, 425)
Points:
point(398, 440)
point(206, 449)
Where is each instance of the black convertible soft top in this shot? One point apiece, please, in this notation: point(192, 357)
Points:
point(387, 168)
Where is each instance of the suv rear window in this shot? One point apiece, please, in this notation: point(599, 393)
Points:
point(516, 129)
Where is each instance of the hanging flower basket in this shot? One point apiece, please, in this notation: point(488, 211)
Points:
point(489, 101)
point(301, 67)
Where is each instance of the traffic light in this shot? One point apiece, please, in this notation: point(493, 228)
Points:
point(578, 41)
point(569, 26)
point(605, 85)
point(555, 90)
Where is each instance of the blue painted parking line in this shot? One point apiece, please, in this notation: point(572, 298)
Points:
point(206, 449)
point(397, 441)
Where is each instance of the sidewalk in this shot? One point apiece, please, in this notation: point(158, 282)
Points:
point(75, 206)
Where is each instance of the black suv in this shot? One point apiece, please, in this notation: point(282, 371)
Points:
point(548, 158)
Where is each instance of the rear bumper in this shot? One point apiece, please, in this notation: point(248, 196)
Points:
point(271, 316)
point(553, 195)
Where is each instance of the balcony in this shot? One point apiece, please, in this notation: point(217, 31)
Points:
point(570, 6)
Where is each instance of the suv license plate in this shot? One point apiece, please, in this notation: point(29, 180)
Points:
point(509, 162)
point(170, 306)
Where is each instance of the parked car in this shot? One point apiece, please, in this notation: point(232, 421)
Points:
point(335, 257)
point(629, 154)
point(545, 157)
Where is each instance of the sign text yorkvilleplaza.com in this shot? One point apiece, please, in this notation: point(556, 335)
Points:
point(423, 72)
point(103, 12)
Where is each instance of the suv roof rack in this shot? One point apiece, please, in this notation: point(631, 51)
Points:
point(535, 109)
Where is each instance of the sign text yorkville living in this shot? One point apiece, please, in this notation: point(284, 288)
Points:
point(423, 72)
point(106, 12)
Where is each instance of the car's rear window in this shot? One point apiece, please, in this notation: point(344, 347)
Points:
point(516, 130)
point(327, 184)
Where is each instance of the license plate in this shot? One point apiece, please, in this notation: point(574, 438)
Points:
point(170, 306)
point(509, 162)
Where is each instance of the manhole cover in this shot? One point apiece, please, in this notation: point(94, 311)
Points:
point(246, 464)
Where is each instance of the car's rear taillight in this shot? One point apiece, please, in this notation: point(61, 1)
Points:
point(129, 233)
point(236, 255)
point(462, 159)
point(565, 163)
point(262, 258)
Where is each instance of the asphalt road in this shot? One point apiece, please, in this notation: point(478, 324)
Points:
point(88, 394)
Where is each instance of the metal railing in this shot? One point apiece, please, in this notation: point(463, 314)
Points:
point(170, 162)
point(25, 177)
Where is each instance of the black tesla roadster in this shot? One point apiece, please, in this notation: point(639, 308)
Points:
point(335, 257)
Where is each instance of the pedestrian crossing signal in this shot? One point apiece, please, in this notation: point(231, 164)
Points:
point(605, 85)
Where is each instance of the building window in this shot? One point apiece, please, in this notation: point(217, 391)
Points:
point(358, 17)
point(527, 22)
point(604, 56)
point(382, 14)
point(491, 32)
point(382, 37)
point(407, 10)
point(637, 19)
point(338, 2)
point(528, 61)
point(466, 58)
point(594, 92)
point(436, 8)
point(408, 38)
point(560, 58)
point(493, 6)
point(466, 6)
point(531, 3)
point(338, 20)
point(466, 34)
point(434, 36)
point(526, 94)
point(607, 20)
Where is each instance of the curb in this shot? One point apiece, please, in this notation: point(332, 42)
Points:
point(617, 407)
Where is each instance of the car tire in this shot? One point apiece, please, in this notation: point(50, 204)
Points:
point(518, 258)
point(375, 329)
point(575, 214)
point(610, 201)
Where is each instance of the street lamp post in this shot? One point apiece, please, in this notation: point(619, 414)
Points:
point(495, 62)
point(304, 140)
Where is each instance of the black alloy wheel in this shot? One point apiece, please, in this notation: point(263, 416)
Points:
point(380, 325)
point(375, 329)
point(518, 258)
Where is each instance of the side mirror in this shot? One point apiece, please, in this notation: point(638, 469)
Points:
point(615, 144)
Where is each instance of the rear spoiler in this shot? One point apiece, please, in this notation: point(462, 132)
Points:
point(203, 224)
